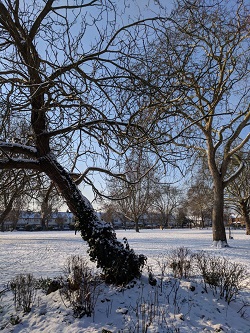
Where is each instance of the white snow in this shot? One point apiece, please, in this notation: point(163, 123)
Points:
point(10, 146)
point(179, 306)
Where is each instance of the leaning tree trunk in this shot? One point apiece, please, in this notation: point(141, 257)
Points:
point(219, 232)
point(119, 263)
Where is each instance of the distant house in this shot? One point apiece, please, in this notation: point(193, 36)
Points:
point(61, 220)
point(29, 220)
point(198, 221)
point(236, 221)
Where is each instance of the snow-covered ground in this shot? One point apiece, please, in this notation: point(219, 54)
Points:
point(173, 306)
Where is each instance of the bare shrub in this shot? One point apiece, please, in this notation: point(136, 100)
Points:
point(15, 320)
point(181, 261)
point(151, 277)
point(23, 287)
point(81, 286)
point(150, 312)
point(207, 265)
point(163, 265)
point(43, 283)
point(221, 275)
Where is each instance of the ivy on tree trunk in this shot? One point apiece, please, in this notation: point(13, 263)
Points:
point(118, 262)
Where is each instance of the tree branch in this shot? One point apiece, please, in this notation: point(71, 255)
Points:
point(17, 148)
point(15, 163)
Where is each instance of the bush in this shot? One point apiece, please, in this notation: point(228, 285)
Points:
point(181, 261)
point(48, 285)
point(221, 275)
point(28, 227)
point(43, 283)
point(118, 261)
point(15, 320)
point(24, 291)
point(81, 286)
point(38, 228)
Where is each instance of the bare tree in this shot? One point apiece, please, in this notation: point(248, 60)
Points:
point(199, 195)
point(67, 72)
point(182, 219)
point(14, 188)
point(133, 195)
point(206, 45)
point(15, 213)
point(166, 200)
point(48, 199)
point(238, 194)
point(15, 185)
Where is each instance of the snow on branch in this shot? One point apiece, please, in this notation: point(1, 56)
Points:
point(17, 148)
point(18, 163)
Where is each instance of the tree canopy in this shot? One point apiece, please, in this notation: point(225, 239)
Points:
point(204, 56)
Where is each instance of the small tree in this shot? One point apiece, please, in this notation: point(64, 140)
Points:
point(238, 194)
point(166, 200)
point(199, 197)
point(133, 196)
point(48, 199)
point(14, 188)
point(181, 217)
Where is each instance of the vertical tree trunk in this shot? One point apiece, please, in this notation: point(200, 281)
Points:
point(137, 224)
point(202, 220)
point(44, 215)
point(45, 210)
point(43, 222)
point(2, 223)
point(6, 212)
point(219, 232)
point(15, 220)
point(167, 221)
point(247, 220)
point(119, 263)
point(246, 217)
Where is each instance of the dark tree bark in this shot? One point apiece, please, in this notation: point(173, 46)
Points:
point(137, 229)
point(219, 233)
point(238, 193)
point(119, 263)
point(245, 209)
point(49, 199)
point(11, 193)
point(6, 212)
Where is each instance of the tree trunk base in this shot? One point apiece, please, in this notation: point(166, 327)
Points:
point(220, 244)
